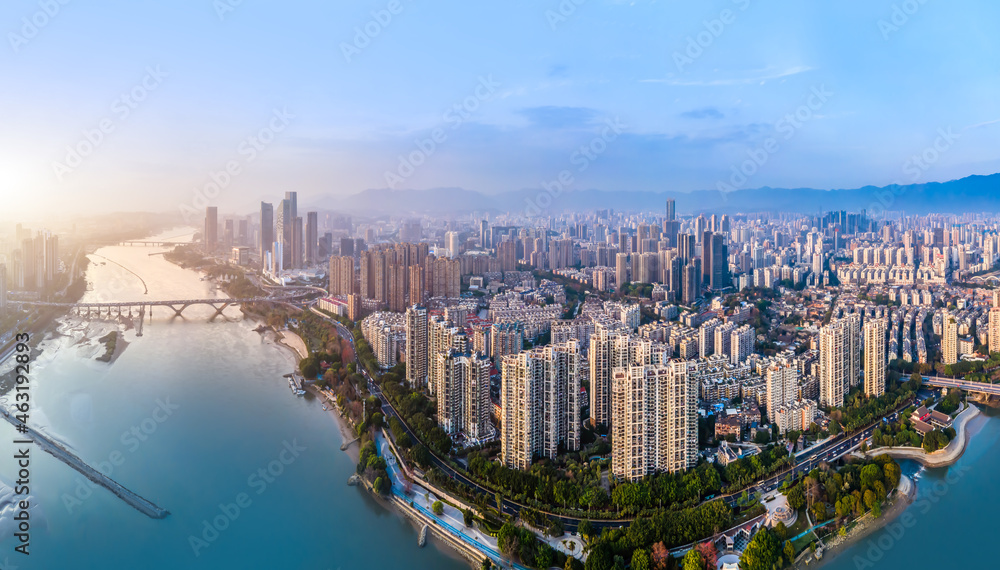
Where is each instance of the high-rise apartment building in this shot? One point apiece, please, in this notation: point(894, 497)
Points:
point(949, 340)
point(505, 339)
point(875, 331)
point(463, 394)
point(741, 343)
point(540, 403)
point(621, 270)
point(839, 355)
point(442, 335)
point(654, 420)
point(416, 345)
point(994, 328)
point(341, 275)
point(781, 382)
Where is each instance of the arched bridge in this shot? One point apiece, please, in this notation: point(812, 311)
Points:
point(986, 279)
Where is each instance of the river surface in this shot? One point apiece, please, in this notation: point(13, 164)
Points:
point(947, 525)
point(186, 417)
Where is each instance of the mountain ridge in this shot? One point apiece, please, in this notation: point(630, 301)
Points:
point(976, 193)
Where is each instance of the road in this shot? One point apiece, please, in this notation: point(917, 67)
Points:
point(982, 387)
point(829, 451)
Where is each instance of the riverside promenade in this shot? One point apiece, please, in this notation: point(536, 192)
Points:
point(140, 504)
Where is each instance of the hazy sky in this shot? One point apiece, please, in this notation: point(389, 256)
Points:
point(511, 90)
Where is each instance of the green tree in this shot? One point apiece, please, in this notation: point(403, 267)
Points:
point(600, 558)
point(797, 497)
point(762, 553)
point(692, 561)
point(789, 552)
point(438, 508)
point(640, 560)
point(508, 539)
point(586, 528)
point(467, 517)
point(544, 556)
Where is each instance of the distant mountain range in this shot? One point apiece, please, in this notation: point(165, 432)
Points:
point(971, 194)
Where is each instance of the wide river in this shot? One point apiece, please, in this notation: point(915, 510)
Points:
point(187, 417)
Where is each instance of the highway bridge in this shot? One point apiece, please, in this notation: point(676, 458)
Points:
point(981, 387)
point(144, 243)
point(286, 295)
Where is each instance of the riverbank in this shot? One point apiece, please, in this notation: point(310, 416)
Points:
point(293, 342)
point(864, 527)
point(942, 457)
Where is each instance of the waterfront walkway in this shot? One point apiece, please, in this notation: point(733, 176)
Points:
point(141, 504)
point(451, 519)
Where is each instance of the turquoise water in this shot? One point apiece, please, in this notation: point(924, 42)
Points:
point(946, 525)
point(209, 409)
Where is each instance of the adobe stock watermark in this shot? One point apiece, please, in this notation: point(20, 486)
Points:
point(367, 32)
point(247, 151)
point(258, 481)
point(582, 159)
point(887, 539)
point(457, 115)
point(33, 25)
point(914, 169)
point(121, 109)
point(225, 7)
point(787, 127)
point(900, 16)
point(563, 12)
point(131, 440)
point(704, 39)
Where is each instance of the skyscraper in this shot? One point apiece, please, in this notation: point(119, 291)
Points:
point(838, 359)
point(621, 270)
point(341, 275)
point(3, 288)
point(211, 234)
point(463, 394)
point(875, 357)
point(298, 251)
point(994, 326)
point(782, 387)
point(286, 227)
point(416, 345)
point(719, 270)
point(266, 231)
point(540, 403)
point(453, 244)
point(671, 212)
point(949, 340)
point(312, 238)
point(655, 420)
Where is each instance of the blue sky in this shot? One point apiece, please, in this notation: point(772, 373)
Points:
point(510, 91)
